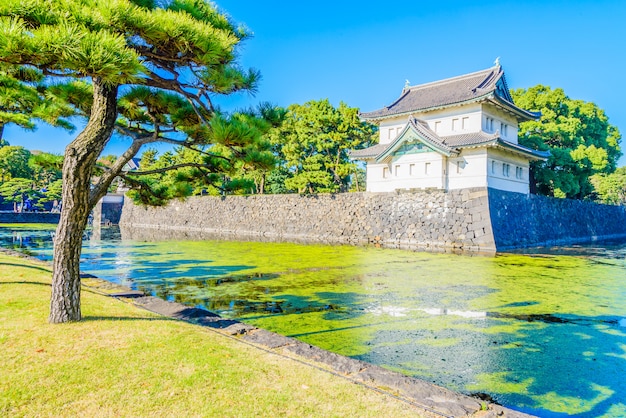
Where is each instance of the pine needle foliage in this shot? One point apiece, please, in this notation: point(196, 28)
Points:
point(153, 70)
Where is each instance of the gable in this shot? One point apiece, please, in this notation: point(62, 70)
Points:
point(412, 147)
point(416, 137)
point(502, 90)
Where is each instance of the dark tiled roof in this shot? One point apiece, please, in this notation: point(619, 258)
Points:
point(451, 91)
point(370, 152)
point(470, 139)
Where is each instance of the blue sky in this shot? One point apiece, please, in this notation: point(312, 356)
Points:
point(362, 52)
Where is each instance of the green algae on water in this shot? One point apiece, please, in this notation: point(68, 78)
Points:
point(541, 333)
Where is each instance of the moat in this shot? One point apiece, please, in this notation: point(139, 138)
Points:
point(544, 333)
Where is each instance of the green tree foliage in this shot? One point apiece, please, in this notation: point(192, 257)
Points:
point(14, 163)
point(46, 168)
point(53, 191)
point(611, 188)
point(313, 144)
point(29, 173)
point(150, 70)
point(577, 133)
point(17, 190)
point(223, 167)
point(24, 98)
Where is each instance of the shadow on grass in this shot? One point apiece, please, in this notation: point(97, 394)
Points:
point(26, 266)
point(25, 282)
point(125, 318)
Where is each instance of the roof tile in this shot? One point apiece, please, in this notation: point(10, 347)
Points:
point(449, 92)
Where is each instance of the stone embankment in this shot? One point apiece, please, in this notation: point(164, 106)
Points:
point(520, 221)
point(29, 218)
point(461, 220)
point(430, 220)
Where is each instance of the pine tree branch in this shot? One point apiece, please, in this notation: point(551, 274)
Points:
point(170, 168)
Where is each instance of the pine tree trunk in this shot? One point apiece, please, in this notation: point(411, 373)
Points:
point(80, 158)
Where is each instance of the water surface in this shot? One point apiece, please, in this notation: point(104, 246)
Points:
point(544, 333)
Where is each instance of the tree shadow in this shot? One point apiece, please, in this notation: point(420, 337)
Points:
point(27, 282)
point(26, 266)
point(95, 318)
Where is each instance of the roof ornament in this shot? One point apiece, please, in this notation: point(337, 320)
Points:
point(497, 62)
point(407, 84)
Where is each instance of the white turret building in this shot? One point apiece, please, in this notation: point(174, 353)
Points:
point(450, 134)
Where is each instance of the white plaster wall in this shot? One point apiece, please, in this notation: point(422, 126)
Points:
point(497, 179)
point(408, 172)
point(451, 121)
point(439, 121)
point(499, 117)
point(391, 128)
point(481, 167)
point(472, 171)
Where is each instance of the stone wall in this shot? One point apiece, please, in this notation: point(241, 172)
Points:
point(430, 220)
point(108, 210)
point(29, 218)
point(530, 220)
point(459, 220)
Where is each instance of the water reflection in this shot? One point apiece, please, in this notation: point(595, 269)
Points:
point(544, 333)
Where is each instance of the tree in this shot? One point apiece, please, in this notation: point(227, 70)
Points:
point(14, 162)
point(152, 70)
point(219, 169)
point(45, 167)
point(23, 98)
point(611, 188)
point(313, 145)
point(17, 190)
point(577, 133)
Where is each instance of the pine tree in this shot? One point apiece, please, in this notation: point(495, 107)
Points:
point(146, 69)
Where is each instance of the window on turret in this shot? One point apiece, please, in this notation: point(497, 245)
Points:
point(397, 170)
point(465, 123)
point(437, 126)
point(489, 124)
point(503, 129)
point(506, 169)
point(385, 172)
point(426, 168)
point(519, 173)
point(412, 169)
point(493, 167)
point(390, 134)
point(455, 124)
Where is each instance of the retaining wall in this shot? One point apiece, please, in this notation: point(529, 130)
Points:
point(432, 220)
point(530, 220)
point(29, 218)
point(459, 220)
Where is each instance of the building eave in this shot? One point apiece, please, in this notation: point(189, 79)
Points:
point(522, 150)
point(522, 115)
point(377, 119)
point(529, 153)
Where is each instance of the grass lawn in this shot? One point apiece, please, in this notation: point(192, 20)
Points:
point(123, 361)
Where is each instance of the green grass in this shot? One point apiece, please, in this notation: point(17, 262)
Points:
point(123, 361)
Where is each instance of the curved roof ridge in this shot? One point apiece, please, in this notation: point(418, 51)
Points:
point(489, 84)
point(404, 93)
point(491, 79)
point(451, 79)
